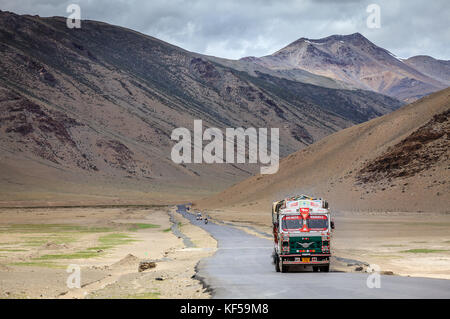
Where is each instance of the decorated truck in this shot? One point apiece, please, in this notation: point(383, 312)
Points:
point(302, 233)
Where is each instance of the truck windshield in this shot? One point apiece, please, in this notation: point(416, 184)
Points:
point(317, 222)
point(291, 222)
point(314, 222)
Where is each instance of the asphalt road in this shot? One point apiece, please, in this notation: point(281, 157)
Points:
point(242, 268)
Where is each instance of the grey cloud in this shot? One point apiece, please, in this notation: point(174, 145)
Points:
point(237, 28)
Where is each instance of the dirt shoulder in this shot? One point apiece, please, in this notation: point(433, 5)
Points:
point(108, 244)
point(406, 244)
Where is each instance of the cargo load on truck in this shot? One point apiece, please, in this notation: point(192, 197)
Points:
point(302, 233)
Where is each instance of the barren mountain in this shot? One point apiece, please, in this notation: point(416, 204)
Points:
point(251, 66)
point(437, 69)
point(397, 162)
point(88, 113)
point(355, 60)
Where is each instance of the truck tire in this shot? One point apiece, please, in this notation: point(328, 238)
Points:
point(315, 268)
point(325, 268)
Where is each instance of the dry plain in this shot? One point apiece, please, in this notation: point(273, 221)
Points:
point(38, 244)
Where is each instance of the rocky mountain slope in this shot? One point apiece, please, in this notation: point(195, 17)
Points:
point(397, 162)
point(355, 60)
point(437, 69)
point(91, 111)
point(252, 66)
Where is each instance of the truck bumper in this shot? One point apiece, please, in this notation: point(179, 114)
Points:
point(305, 260)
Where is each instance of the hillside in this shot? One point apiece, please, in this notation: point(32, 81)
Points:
point(437, 69)
point(88, 113)
point(397, 162)
point(355, 60)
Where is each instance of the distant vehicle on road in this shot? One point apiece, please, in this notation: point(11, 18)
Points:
point(206, 220)
point(302, 233)
point(199, 216)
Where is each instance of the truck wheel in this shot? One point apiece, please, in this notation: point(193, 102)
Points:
point(325, 268)
point(315, 268)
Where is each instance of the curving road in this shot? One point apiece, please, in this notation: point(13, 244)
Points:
point(242, 268)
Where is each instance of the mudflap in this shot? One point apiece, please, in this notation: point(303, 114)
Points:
point(325, 268)
point(276, 261)
point(283, 267)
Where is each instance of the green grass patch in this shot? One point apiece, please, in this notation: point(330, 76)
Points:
point(139, 226)
point(35, 235)
point(112, 240)
point(12, 249)
point(146, 206)
point(82, 254)
point(34, 242)
point(105, 242)
point(115, 239)
point(423, 251)
point(51, 228)
point(167, 230)
point(54, 238)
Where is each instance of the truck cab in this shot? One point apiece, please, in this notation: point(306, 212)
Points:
point(302, 233)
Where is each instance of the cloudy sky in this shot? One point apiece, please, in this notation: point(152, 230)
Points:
point(238, 28)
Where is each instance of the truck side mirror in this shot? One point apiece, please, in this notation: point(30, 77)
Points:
point(332, 224)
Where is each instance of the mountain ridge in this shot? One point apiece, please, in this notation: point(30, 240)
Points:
point(438, 69)
point(355, 60)
point(97, 105)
